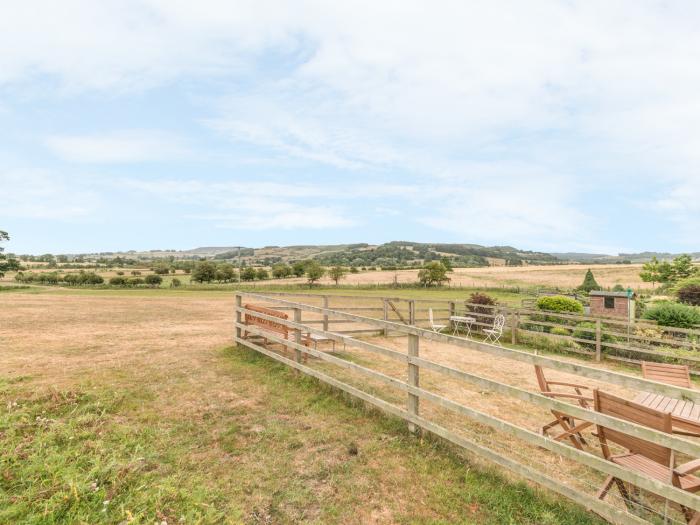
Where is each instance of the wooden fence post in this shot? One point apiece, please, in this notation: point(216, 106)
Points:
point(411, 312)
point(598, 339)
point(325, 317)
point(297, 334)
point(239, 317)
point(453, 311)
point(385, 315)
point(413, 380)
point(514, 322)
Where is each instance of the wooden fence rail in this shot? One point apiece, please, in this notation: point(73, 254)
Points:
point(415, 392)
point(607, 338)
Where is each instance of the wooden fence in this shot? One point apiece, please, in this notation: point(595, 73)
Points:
point(414, 362)
point(596, 337)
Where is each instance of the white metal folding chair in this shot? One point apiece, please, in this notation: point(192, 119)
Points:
point(435, 327)
point(493, 335)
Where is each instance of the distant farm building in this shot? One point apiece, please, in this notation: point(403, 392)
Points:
point(612, 304)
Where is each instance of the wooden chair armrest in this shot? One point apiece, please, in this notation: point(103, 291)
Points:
point(687, 468)
point(568, 396)
point(573, 385)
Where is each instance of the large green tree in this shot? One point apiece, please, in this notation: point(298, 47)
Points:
point(656, 271)
point(337, 273)
point(682, 267)
point(204, 272)
point(299, 268)
point(433, 273)
point(6, 264)
point(314, 272)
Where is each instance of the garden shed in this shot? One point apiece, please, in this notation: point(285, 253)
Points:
point(613, 304)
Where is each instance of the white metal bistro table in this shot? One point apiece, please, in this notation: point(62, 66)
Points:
point(462, 320)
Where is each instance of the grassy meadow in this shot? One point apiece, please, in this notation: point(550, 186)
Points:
point(131, 406)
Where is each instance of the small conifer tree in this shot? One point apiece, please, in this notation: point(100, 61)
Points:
point(589, 283)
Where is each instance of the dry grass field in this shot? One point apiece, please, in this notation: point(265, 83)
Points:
point(562, 276)
point(133, 408)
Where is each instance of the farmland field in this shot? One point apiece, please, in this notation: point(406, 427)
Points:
point(134, 408)
point(564, 276)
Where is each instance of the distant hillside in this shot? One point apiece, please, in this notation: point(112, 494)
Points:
point(601, 258)
point(401, 253)
point(390, 254)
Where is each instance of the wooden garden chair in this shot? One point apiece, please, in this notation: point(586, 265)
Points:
point(571, 429)
point(649, 459)
point(677, 375)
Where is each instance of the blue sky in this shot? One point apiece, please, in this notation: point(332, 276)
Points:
point(558, 126)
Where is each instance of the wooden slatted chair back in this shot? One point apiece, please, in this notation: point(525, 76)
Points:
point(266, 324)
point(623, 409)
point(676, 375)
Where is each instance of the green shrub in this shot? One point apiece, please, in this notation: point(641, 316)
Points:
point(532, 327)
point(482, 314)
point(117, 281)
point(674, 314)
point(580, 333)
point(686, 282)
point(688, 291)
point(153, 280)
point(559, 330)
point(690, 294)
point(559, 303)
point(136, 281)
point(175, 283)
point(249, 274)
point(549, 344)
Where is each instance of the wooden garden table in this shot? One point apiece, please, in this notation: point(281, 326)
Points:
point(685, 414)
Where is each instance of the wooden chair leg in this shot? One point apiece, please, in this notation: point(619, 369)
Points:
point(620, 486)
point(623, 492)
point(605, 488)
point(690, 515)
point(573, 434)
point(546, 427)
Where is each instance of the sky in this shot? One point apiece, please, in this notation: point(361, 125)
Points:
point(168, 124)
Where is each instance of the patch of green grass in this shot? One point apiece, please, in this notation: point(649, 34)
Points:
point(68, 459)
point(12, 288)
point(452, 489)
point(457, 294)
point(277, 448)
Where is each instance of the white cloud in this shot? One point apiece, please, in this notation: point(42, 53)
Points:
point(118, 147)
point(253, 206)
point(41, 194)
point(422, 88)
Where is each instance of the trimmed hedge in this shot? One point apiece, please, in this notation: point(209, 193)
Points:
point(559, 303)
